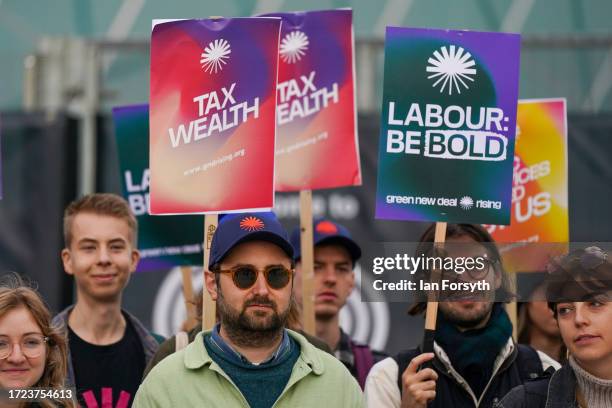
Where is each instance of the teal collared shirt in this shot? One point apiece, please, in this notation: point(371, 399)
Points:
point(229, 352)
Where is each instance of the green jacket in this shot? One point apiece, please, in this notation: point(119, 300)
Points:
point(169, 346)
point(190, 378)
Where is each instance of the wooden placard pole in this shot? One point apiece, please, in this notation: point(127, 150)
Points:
point(188, 295)
point(511, 308)
point(431, 315)
point(208, 305)
point(307, 260)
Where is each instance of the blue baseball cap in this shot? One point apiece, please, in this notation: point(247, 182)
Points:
point(325, 231)
point(234, 229)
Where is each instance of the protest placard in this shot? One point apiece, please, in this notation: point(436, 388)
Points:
point(317, 145)
point(447, 134)
point(212, 122)
point(539, 228)
point(539, 195)
point(448, 126)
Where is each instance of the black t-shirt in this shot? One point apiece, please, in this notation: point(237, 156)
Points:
point(107, 376)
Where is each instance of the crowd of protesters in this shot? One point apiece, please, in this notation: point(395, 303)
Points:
point(257, 354)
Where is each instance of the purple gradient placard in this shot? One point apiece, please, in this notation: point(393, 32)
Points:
point(212, 115)
point(448, 126)
point(317, 143)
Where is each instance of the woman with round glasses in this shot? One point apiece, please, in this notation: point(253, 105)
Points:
point(32, 353)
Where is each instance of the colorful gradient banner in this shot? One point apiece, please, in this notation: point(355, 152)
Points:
point(212, 124)
point(317, 144)
point(448, 126)
point(164, 242)
point(539, 195)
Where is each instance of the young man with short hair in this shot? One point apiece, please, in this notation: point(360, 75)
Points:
point(250, 359)
point(335, 257)
point(108, 347)
point(580, 296)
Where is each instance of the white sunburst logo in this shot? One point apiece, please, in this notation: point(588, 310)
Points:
point(215, 55)
point(293, 47)
point(466, 202)
point(451, 68)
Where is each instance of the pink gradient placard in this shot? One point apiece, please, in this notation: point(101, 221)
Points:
point(212, 115)
point(317, 145)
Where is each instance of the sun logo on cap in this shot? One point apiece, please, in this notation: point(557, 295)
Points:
point(326, 227)
point(251, 224)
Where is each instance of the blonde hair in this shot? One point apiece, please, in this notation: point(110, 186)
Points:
point(100, 204)
point(15, 294)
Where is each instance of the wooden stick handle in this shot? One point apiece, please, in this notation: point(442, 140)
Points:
point(307, 260)
point(440, 235)
point(512, 307)
point(208, 306)
point(431, 315)
point(188, 295)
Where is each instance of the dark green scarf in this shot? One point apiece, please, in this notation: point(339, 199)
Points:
point(260, 385)
point(473, 352)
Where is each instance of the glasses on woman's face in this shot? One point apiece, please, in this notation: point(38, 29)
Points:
point(31, 346)
point(245, 276)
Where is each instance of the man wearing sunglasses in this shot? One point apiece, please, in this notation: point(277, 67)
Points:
point(335, 256)
point(250, 359)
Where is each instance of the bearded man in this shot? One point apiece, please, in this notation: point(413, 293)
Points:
point(250, 359)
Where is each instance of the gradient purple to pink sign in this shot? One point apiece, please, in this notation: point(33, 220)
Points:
point(317, 144)
point(212, 115)
point(473, 75)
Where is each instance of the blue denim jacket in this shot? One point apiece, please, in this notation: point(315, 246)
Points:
point(556, 391)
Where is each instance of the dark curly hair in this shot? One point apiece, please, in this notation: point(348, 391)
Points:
point(580, 275)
